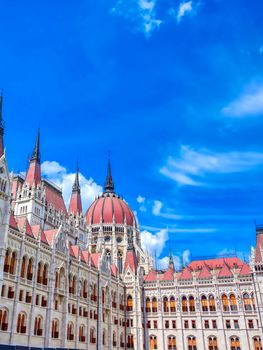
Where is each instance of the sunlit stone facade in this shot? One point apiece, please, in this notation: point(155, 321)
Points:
point(70, 279)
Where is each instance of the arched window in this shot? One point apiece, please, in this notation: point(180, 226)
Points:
point(70, 331)
point(165, 304)
point(257, 343)
point(21, 323)
point(235, 343)
point(23, 267)
point(7, 260)
point(85, 289)
point(129, 303)
point(122, 340)
point(172, 342)
point(154, 305)
point(191, 304)
point(62, 278)
point(56, 279)
point(233, 302)
point(212, 343)
point(103, 295)
point(148, 305)
point(12, 263)
point(172, 304)
point(212, 304)
point(30, 269)
point(153, 342)
point(55, 329)
point(92, 336)
point(82, 337)
point(38, 326)
point(39, 272)
point(247, 302)
point(45, 274)
point(3, 319)
point(184, 304)
point(74, 285)
point(204, 303)
point(225, 303)
point(120, 261)
point(108, 257)
point(191, 343)
point(130, 341)
point(114, 339)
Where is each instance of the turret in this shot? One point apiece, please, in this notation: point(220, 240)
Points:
point(33, 175)
point(75, 205)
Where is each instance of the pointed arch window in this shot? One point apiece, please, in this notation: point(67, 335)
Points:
point(154, 305)
point(191, 343)
point(212, 304)
point(55, 329)
point(172, 343)
point(82, 337)
point(212, 343)
point(7, 260)
point(204, 303)
point(225, 303)
point(3, 319)
point(233, 302)
point(191, 304)
point(184, 304)
point(70, 331)
point(23, 267)
point(247, 302)
point(153, 342)
point(148, 305)
point(165, 304)
point(12, 264)
point(129, 303)
point(38, 326)
point(235, 343)
point(172, 304)
point(257, 343)
point(30, 269)
point(130, 341)
point(21, 323)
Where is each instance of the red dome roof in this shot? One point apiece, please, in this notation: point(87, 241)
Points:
point(107, 207)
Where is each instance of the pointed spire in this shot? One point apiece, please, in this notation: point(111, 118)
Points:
point(76, 185)
point(75, 205)
point(171, 260)
point(36, 153)
point(109, 185)
point(33, 175)
point(2, 125)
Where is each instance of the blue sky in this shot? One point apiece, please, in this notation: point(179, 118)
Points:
point(174, 89)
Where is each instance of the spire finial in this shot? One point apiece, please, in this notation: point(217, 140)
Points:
point(171, 260)
point(76, 185)
point(36, 153)
point(109, 185)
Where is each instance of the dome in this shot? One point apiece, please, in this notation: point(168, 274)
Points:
point(110, 208)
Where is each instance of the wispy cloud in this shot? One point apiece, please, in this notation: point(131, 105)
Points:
point(141, 12)
point(64, 179)
point(192, 166)
point(157, 211)
point(250, 103)
point(154, 243)
point(184, 8)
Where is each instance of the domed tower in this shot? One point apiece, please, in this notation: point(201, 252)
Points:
point(111, 223)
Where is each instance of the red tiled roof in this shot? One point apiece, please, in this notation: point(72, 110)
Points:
point(12, 222)
point(35, 229)
point(168, 275)
point(245, 270)
point(114, 270)
point(186, 274)
point(50, 235)
point(225, 272)
point(75, 205)
point(23, 223)
point(205, 273)
point(85, 256)
point(33, 175)
point(131, 261)
point(216, 263)
point(95, 259)
point(74, 250)
point(54, 197)
point(151, 277)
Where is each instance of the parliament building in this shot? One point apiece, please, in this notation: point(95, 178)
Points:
point(75, 280)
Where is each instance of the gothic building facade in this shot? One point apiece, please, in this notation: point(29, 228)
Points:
point(70, 279)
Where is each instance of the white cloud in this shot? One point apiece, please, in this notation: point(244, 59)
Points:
point(59, 175)
point(191, 166)
point(250, 103)
point(140, 12)
point(154, 243)
point(184, 8)
point(156, 210)
point(140, 199)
